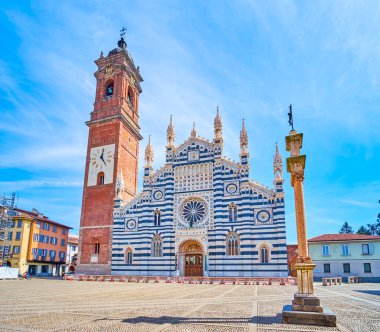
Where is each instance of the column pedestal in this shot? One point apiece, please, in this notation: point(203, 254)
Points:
point(306, 308)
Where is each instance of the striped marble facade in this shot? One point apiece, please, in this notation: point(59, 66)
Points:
point(201, 202)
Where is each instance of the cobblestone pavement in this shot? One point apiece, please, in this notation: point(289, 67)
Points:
point(57, 305)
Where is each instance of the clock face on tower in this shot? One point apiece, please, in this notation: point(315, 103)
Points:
point(101, 161)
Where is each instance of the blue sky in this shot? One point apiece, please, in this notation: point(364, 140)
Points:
point(252, 58)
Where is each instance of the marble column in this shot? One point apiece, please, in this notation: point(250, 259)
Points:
point(306, 307)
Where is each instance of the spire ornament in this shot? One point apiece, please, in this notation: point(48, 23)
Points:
point(193, 132)
point(277, 164)
point(218, 126)
point(243, 139)
point(148, 154)
point(119, 185)
point(170, 133)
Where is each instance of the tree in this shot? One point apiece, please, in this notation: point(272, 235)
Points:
point(378, 223)
point(372, 229)
point(363, 230)
point(346, 228)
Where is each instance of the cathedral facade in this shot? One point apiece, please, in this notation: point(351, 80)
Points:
point(200, 214)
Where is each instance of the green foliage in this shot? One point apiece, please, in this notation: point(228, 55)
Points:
point(363, 230)
point(346, 228)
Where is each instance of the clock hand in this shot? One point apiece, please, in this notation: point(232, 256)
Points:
point(101, 157)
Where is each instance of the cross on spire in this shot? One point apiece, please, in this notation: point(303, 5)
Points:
point(122, 32)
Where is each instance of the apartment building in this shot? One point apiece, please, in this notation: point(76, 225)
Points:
point(346, 255)
point(37, 244)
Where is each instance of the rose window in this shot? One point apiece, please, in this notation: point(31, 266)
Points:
point(193, 211)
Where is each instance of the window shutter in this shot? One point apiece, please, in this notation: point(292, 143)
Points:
point(371, 248)
point(341, 249)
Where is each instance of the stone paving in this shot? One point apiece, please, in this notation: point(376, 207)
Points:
point(57, 305)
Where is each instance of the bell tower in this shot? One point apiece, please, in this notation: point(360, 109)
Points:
point(112, 152)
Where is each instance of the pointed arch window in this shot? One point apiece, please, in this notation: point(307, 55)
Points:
point(100, 179)
point(128, 256)
point(232, 212)
point(157, 217)
point(264, 255)
point(157, 246)
point(232, 244)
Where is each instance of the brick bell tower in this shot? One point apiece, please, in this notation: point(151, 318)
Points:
point(112, 155)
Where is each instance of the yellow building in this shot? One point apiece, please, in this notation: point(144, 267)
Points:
point(37, 245)
point(19, 235)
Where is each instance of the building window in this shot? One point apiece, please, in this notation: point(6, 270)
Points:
point(45, 269)
point(18, 235)
point(232, 212)
point(13, 224)
point(157, 246)
point(16, 250)
point(128, 256)
point(10, 236)
point(64, 231)
point(62, 242)
point(345, 249)
point(130, 98)
point(264, 255)
point(232, 244)
point(109, 90)
point(326, 268)
point(97, 248)
point(73, 248)
point(19, 223)
point(46, 226)
point(157, 217)
point(35, 237)
point(367, 267)
point(54, 228)
point(100, 180)
point(61, 256)
point(346, 268)
point(325, 250)
point(365, 249)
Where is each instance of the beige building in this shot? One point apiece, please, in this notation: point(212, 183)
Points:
point(346, 255)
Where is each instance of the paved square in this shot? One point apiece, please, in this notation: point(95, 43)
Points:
point(57, 305)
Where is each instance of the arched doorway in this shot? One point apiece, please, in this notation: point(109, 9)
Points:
point(191, 258)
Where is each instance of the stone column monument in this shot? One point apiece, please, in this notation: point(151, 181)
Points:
point(305, 308)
